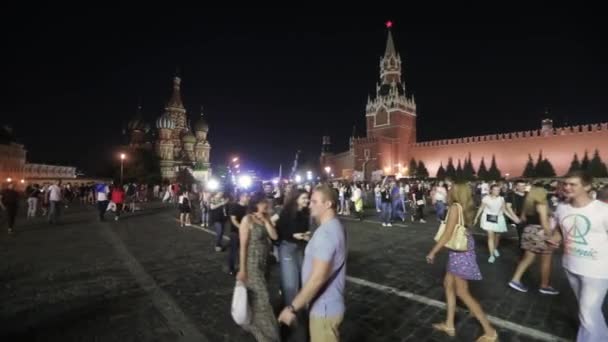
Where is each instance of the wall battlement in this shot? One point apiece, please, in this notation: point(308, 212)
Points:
point(559, 131)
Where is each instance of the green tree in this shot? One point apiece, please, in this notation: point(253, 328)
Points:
point(494, 172)
point(468, 172)
point(459, 173)
point(141, 166)
point(450, 170)
point(530, 170)
point(538, 168)
point(585, 162)
point(185, 178)
point(575, 165)
point(440, 172)
point(413, 169)
point(421, 170)
point(596, 167)
point(548, 168)
point(482, 172)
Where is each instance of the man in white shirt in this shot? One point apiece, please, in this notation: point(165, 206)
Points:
point(54, 193)
point(583, 224)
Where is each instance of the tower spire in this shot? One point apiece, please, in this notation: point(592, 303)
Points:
point(176, 97)
point(390, 44)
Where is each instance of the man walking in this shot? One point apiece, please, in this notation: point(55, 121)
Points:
point(54, 194)
point(9, 200)
point(323, 271)
point(584, 230)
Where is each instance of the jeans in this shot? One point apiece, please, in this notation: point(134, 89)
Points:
point(291, 257)
point(32, 205)
point(233, 256)
point(219, 233)
point(54, 211)
point(101, 207)
point(590, 293)
point(440, 210)
point(204, 215)
point(399, 209)
point(386, 212)
point(378, 203)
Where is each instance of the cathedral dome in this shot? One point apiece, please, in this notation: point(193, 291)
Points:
point(136, 124)
point(189, 138)
point(165, 122)
point(201, 126)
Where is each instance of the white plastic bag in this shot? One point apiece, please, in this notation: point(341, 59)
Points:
point(241, 312)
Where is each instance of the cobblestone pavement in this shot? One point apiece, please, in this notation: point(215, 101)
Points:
point(144, 279)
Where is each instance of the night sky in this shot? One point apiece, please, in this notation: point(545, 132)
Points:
point(272, 82)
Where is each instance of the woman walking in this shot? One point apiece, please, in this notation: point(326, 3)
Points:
point(293, 231)
point(537, 231)
point(255, 231)
point(462, 266)
point(493, 220)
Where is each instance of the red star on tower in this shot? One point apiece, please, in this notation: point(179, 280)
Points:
point(389, 24)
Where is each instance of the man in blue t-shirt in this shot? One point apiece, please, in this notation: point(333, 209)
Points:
point(323, 271)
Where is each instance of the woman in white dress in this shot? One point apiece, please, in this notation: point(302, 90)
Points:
point(492, 211)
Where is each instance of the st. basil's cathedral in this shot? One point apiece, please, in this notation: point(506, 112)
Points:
point(178, 144)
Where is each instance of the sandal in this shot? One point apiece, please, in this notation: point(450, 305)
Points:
point(486, 338)
point(444, 328)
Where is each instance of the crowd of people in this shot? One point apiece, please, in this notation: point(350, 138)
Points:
point(298, 224)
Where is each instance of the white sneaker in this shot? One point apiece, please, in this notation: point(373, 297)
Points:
point(202, 225)
point(116, 218)
point(491, 259)
point(422, 221)
point(383, 224)
point(389, 224)
point(496, 254)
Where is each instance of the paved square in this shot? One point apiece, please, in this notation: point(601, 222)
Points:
point(143, 279)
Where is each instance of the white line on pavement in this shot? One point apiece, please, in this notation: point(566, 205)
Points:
point(405, 226)
point(499, 322)
point(177, 320)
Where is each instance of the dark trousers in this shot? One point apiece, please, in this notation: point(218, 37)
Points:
point(11, 212)
point(102, 206)
point(233, 256)
point(219, 233)
point(420, 212)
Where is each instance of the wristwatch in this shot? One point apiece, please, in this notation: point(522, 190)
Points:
point(291, 308)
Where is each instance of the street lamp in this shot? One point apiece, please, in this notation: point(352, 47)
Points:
point(309, 175)
point(9, 179)
point(122, 160)
point(298, 178)
point(235, 159)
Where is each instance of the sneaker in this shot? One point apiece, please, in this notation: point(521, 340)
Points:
point(496, 254)
point(548, 291)
point(518, 286)
point(422, 221)
point(218, 248)
point(389, 224)
point(383, 224)
point(116, 218)
point(203, 225)
point(491, 259)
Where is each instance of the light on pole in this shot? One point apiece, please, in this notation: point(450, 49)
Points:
point(122, 160)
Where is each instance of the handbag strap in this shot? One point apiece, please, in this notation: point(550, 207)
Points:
point(460, 215)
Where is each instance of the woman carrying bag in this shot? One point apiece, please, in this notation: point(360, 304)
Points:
point(462, 265)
